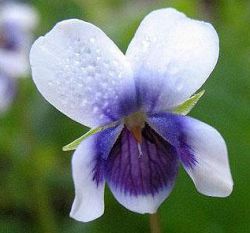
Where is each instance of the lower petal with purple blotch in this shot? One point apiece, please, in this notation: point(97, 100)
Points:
point(141, 176)
point(201, 150)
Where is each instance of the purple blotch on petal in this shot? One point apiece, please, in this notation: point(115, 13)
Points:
point(135, 174)
point(98, 170)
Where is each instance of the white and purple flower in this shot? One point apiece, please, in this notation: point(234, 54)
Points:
point(83, 74)
point(16, 22)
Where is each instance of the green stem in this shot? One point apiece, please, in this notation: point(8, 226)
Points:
point(154, 220)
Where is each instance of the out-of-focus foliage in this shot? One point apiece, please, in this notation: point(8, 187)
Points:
point(36, 189)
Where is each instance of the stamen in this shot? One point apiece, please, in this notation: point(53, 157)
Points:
point(140, 150)
point(136, 131)
point(135, 123)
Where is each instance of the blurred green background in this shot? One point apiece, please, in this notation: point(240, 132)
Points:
point(36, 188)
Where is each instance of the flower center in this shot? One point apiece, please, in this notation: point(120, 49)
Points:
point(135, 123)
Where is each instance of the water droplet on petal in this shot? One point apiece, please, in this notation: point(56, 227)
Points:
point(92, 40)
point(95, 110)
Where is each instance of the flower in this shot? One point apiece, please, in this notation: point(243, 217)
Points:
point(16, 22)
point(79, 70)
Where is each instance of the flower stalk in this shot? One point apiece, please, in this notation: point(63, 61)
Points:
point(154, 221)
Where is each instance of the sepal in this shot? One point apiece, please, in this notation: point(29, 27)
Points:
point(188, 105)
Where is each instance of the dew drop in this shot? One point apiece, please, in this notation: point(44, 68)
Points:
point(80, 85)
point(95, 110)
point(92, 40)
point(106, 103)
point(84, 103)
point(101, 116)
point(179, 84)
point(88, 51)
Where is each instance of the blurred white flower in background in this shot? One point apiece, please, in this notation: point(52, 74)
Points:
point(17, 20)
point(7, 91)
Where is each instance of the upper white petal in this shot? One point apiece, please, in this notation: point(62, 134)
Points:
point(172, 55)
point(211, 174)
point(79, 70)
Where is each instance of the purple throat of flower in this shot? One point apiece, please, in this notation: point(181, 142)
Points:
point(140, 161)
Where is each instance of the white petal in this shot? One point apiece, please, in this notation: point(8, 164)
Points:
point(171, 56)
point(89, 198)
point(142, 203)
point(211, 174)
point(79, 70)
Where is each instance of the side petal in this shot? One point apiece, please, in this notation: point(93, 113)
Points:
point(171, 56)
point(80, 71)
point(141, 176)
point(201, 149)
point(88, 175)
